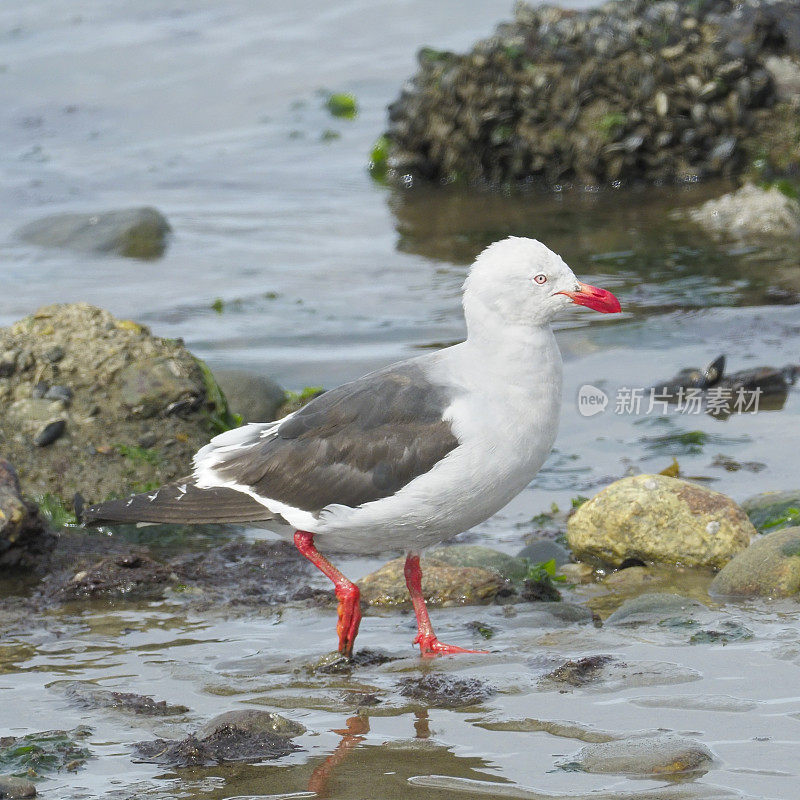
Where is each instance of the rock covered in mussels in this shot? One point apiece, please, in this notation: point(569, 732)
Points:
point(654, 518)
point(97, 405)
point(633, 90)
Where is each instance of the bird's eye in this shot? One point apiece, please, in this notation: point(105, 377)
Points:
point(541, 278)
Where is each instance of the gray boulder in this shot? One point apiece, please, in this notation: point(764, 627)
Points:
point(255, 398)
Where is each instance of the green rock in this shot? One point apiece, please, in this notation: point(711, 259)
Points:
point(770, 567)
point(473, 555)
point(771, 511)
point(657, 519)
point(135, 232)
point(37, 754)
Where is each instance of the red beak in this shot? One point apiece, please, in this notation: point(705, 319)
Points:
point(592, 297)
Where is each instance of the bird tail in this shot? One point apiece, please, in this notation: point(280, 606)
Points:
point(180, 502)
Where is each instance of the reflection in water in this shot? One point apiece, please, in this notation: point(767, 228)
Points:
point(661, 262)
point(352, 736)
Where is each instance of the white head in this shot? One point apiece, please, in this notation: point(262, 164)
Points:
point(519, 281)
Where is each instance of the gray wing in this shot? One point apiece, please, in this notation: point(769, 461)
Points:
point(358, 443)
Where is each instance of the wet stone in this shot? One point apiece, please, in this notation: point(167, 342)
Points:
point(644, 756)
point(578, 672)
point(226, 744)
point(771, 511)
point(49, 433)
point(545, 550)
point(12, 788)
point(445, 691)
point(723, 633)
point(335, 663)
point(604, 673)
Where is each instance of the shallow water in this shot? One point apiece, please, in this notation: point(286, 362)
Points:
point(212, 113)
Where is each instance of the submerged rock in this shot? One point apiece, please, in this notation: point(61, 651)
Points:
point(445, 691)
point(543, 550)
point(644, 756)
point(750, 211)
point(633, 90)
point(133, 576)
point(769, 567)
point(654, 518)
point(24, 535)
point(442, 584)
point(109, 385)
point(133, 232)
point(92, 696)
point(227, 743)
point(655, 607)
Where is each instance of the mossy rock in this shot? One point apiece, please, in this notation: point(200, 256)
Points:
point(135, 407)
point(771, 511)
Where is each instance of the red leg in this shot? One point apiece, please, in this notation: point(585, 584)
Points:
point(347, 592)
point(429, 645)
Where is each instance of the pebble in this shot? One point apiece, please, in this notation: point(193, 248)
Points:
point(50, 433)
point(62, 393)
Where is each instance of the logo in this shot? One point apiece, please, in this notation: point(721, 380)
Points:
point(591, 400)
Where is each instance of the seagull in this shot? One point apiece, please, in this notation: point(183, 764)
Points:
point(406, 456)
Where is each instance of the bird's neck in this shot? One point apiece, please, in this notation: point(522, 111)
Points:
point(515, 353)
